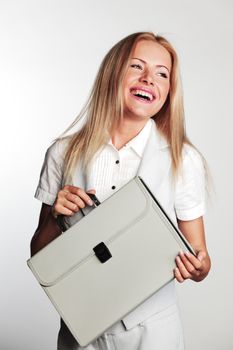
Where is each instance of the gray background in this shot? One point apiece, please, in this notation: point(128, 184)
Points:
point(50, 52)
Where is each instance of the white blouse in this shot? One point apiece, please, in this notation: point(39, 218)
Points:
point(110, 169)
point(147, 154)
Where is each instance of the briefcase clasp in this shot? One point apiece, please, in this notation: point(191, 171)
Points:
point(102, 252)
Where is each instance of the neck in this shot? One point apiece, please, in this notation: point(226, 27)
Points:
point(126, 131)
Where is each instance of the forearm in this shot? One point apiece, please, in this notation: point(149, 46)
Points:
point(46, 233)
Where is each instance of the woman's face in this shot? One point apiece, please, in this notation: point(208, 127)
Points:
point(147, 81)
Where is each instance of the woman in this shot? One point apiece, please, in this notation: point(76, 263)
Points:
point(134, 125)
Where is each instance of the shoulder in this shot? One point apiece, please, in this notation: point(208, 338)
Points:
point(190, 189)
point(190, 151)
point(57, 150)
point(191, 158)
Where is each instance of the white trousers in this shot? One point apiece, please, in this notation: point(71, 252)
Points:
point(162, 331)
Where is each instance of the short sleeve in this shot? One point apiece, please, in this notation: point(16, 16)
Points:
point(51, 175)
point(190, 186)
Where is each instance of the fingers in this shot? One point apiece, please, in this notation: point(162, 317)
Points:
point(79, 192)
point(73, 202)
point(91, 191)
point(188, 266)
point(201, 255)
point(195, 261)
point(59, 209)
point(71, 199)
point(178, 275)
point(182, 268)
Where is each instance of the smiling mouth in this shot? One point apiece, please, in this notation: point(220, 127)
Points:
point(144, 95)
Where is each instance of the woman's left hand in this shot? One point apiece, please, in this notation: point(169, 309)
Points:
point(192, 267)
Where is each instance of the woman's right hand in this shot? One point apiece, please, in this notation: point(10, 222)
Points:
point(70, 200)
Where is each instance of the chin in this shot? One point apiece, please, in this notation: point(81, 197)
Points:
point(136, 114)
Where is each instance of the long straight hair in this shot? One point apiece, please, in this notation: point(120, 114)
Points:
point(104, 108)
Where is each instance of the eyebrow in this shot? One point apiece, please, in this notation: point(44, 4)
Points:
point(158, 65)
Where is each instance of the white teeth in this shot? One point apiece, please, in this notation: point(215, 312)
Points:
point(143, 93)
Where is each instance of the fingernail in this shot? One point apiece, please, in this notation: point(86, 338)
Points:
point(187, 254)
point(90, 202)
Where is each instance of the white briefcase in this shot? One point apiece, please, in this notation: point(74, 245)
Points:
point(109, 262)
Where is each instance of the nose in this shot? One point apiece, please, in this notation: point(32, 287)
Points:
point(147, 77)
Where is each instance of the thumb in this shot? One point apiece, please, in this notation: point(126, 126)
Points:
point(201, 255)
point(91, 191)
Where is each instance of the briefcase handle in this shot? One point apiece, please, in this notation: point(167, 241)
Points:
point(94, 199)
point(60, 218)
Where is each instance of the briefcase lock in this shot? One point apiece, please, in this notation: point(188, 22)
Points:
point(102, 252)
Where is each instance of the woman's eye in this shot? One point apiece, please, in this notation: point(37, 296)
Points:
point(137, 66)
point(164, 75)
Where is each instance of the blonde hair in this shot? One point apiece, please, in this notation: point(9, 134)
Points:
point(104, 108)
